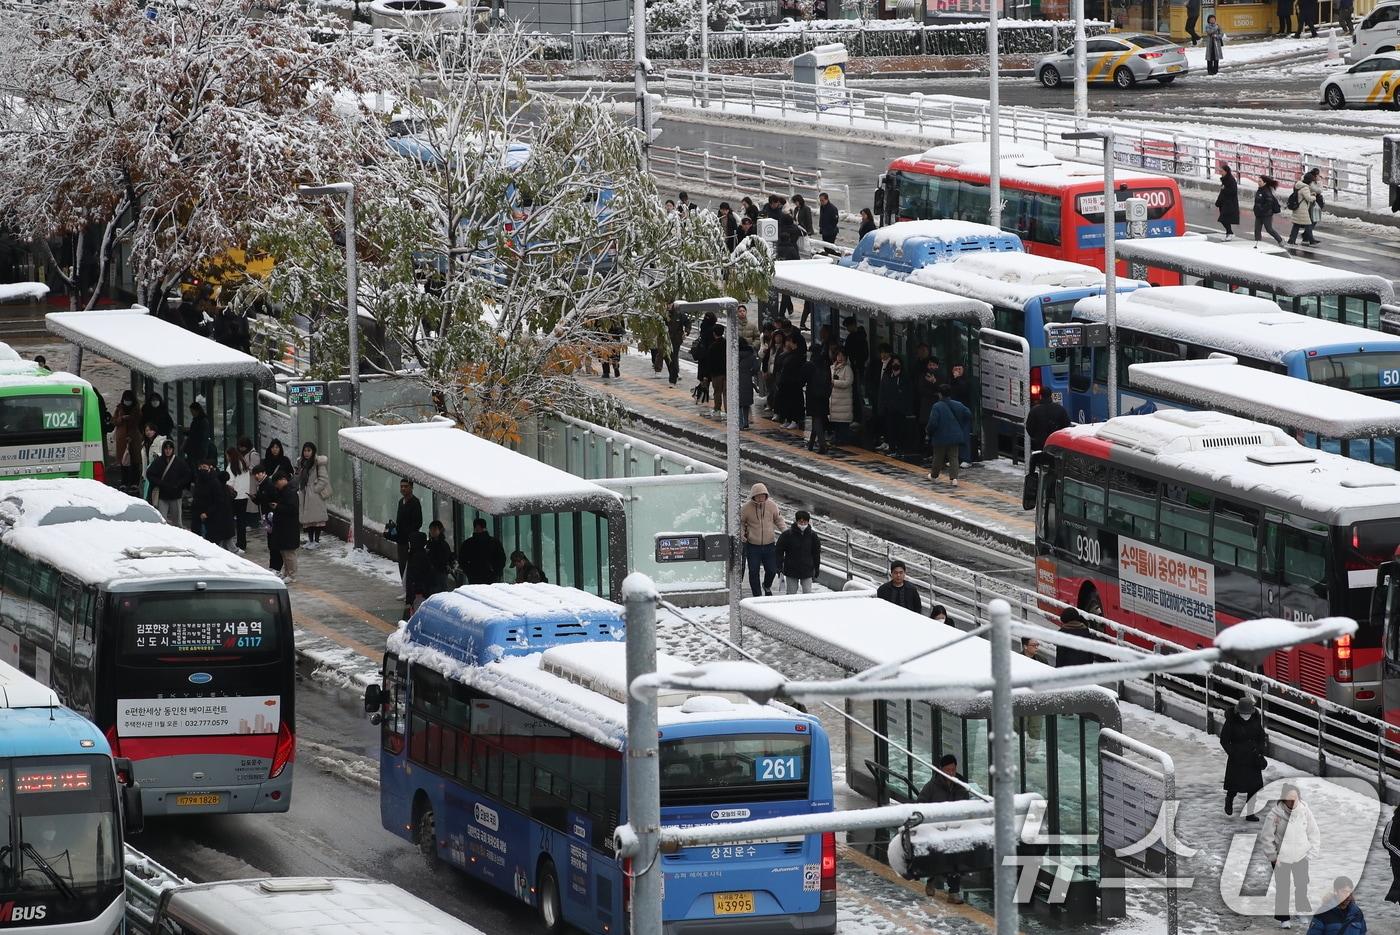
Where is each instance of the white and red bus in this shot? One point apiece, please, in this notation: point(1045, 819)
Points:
point(1055, 206)
point(1182, 523)
point(179, 651)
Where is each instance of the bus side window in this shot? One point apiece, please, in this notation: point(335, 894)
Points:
point(1132, 505)
point(14, 606)
point(1305, 562)
point(68, 603)
point(392, 729)
point(1185, 525)
point(1233, 539)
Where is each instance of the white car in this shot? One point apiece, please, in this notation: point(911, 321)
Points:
point(1378, 31)
point(1372, 82)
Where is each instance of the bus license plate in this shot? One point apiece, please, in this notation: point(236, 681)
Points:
point(182, 801)
point(733, 904)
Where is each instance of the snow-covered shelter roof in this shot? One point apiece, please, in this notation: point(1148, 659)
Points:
point(860, 290)
point(1245, 325)
point(1011, 280)
point(1224, 384)
point(1263, 465)
point(164, 352)
point(472, 470)
point(1255, 269)
point(857, 630)
point(103, 551)
point(28, 502)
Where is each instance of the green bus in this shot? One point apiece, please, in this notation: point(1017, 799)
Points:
point(50, 423)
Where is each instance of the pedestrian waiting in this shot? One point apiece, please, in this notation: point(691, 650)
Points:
point(1215, 46)
point(481, 556)
point(946, 785)
point(1073, 623)
point(526, 572)
point(1342, 916)
point(1291, 842)
point(1245, 743)
point(800, 554)
point(899, 591)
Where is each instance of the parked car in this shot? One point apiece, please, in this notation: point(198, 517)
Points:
point(1124, 60)
point(1372, 82)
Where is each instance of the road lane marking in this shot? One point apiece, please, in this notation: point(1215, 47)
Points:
point(345, 607)
point(307, 622)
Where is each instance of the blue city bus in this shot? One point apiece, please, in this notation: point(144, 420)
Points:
point(1194, 322)
point(503, 731)
point(62, 799)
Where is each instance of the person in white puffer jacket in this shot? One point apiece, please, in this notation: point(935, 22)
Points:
point(1291, 839)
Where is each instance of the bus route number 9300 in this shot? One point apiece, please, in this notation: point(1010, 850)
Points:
point(1088, 550)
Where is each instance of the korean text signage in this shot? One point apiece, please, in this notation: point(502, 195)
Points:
point(196, 717)
point(1167, 587)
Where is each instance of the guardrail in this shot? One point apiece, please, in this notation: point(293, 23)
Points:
point(145, 881)
point(1307, 731)
point(957, 118)
point(740, 176)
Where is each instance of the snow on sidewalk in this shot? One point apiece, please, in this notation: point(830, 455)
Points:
point(1244, 52)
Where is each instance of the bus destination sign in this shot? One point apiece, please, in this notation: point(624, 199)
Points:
point(690, 547)
point(1068, 335)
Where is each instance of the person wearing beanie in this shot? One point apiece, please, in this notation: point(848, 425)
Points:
point(1246, 745)
point(942, 788)
point(1073, 623)
point(799, 554)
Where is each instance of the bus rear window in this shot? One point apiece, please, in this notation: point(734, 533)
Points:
point(164, 626)
point(735, 769)
point(1364, 371)
point(50, 417)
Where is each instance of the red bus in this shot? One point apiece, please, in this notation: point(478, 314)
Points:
point(1055, 206)
point(1182, 523)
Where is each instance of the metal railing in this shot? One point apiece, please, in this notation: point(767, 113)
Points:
point(958, 118)
point(145, 881)
point(699, 168)
point(1305, 730)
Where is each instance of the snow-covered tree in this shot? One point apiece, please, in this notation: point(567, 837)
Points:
point(500, 242)
point(672, 16)
point(168, 131)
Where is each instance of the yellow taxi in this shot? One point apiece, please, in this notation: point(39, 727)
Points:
point(1372, 82)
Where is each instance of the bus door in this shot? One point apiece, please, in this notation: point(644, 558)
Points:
point(1385, 603)
point(1004, 389)
point(1087, 400)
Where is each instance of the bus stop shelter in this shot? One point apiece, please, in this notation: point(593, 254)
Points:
point(572, 529)
point(1296, 285)
point(1327, 417)
point(183, 367)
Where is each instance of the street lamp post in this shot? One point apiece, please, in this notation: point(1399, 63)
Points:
point(1110, 256)
point(1081, 67)
point(352, 307)
point(994, 114)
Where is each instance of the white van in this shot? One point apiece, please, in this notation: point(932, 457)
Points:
point(299, 906)
point(1379, 31)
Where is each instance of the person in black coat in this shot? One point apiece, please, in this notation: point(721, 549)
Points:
point(791, 407)
point(169, 475)
point(481, 555)
point(893, 406)
point(418, 573)
point(828, 219)
point(439, 556)
point(748, 370)
point(899, 591)
point(407, 521)
point(942, 788)
point(212, 504)
point(867, 223)
point(1307, 18)
point(276, 460)
point(857, 348)
point(677, 327)
point(1045, 419)
point(716, 369)
point(1285, 16)
point(799, 554)
point(155, 412)
point(817, 376)
point(1246, 745)
point(1228, 201)
point(802, 215)
point(198, 437)
point(1073, 623)
point(286, 526)
point(1391, 839)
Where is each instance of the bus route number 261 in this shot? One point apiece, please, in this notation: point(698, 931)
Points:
point(1088, 550)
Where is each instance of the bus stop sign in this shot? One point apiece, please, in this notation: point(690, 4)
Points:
point(1067, 335)
point(691, 547)
point(318, 393)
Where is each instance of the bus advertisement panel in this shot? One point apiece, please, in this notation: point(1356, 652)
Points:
point(1181, 523)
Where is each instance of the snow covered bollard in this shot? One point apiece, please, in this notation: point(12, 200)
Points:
point(415, 14)
point(1332, 52)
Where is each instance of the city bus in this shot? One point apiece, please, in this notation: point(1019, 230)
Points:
point(503, 725)
point(1055, 206)
point(180, 651)
point(50, 423)
point(1192, 322)
point(1295, 285)
point(65, 805)
point(1182, 523)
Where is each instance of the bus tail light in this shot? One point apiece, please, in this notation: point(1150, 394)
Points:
point(285, 752)
point(1341, 658)
point(99, 472)
point(1037, 387)
point(829, 862)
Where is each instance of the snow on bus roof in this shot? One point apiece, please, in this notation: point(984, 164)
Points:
point(491, 477)
point(1237, 324)
point(1028, 165)
point(29, 502)
point(1276, 398)
point(1259, 462)
point(1008, 280)
point(106, 551)
point(479, 622)
point(857, 630)
point(149, 345)
point(1284, 275)
point(933, 229)
point(18, 690)
point(862, 290)
point(28, 373)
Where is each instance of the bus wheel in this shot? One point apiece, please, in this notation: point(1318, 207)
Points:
point(551, 911)
point(426, 836)
point(1090, 602)
point(1123, 77)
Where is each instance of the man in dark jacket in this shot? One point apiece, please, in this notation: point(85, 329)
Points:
point(407, 521)
point(525, 570)
point(417, 575)
point(1073, 623)
point(1045, 419)
point(893, 406)
point(791, 408)
point(677, 327)
point(817, 376)
point(212, 504)
point(802, 215)
point(1245, 743)
point(197, 436)
point(1344, 916)
point(799, 554)
point(286, 527)
point(898, 591)
point(481, 556)
point(748, 369)
point(857, 347)
point(169, 475)
point(942, 788)
point(829, 220)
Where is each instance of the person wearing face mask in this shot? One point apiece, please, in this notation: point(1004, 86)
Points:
point(1342, 915)
point(154, 412)
point(800, 554)
point(126, 439)
point(1291, 841)
point(1245, 744)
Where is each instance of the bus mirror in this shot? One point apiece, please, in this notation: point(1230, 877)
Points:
point(133, 814)
point(374, 698)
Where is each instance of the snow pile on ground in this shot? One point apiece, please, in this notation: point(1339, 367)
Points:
point(363, 560)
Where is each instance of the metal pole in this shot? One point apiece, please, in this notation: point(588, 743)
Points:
point(705, 39)
point(639, 49)
point(1081, 68)
point(731, 464)
point(1003, 770)
point(352, 302)
point(1110, 270)
point(639, 597)
point(994, 114)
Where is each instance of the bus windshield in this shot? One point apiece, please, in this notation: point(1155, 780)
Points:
point(1360, 371)
point(50, 417)
point(735, 768)
point(64, 810)
point(160, 627)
